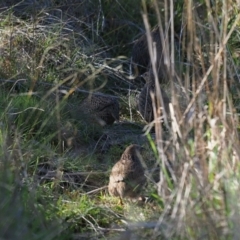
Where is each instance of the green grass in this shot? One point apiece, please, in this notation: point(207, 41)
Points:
point(55, 161)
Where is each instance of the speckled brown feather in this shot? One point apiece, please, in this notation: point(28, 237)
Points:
point(104, 108)
point(127, 175)
point(145, 106)
point(141, 58)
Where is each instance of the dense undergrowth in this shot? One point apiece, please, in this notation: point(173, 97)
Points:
point(55, 160)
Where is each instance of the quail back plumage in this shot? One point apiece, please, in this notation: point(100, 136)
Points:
point(127, 176)
point(103, 107)
point(145, 106)
point(141, 58)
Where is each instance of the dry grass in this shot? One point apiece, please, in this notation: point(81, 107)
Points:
point(55, 163)
point(203, 149)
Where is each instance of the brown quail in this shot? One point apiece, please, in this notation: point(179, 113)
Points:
point(140, 55)
point(104, 108)
point(145, 106)
point(127, 176)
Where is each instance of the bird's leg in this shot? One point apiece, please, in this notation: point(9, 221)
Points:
point(121, 201)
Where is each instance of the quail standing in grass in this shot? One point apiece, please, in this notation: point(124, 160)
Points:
point(140, 58)
point(127, 176)
point(104, 108)
point(145, 106)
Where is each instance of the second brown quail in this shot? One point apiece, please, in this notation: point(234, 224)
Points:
point(141, 58)
point(127, 176)
point(145, 106)
point(104, 108)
